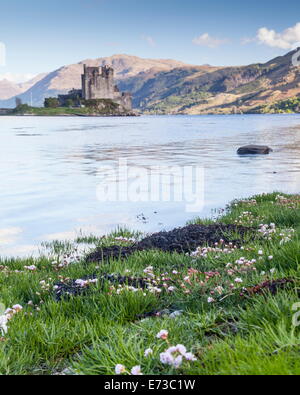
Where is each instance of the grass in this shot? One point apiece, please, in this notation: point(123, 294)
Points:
point(108, 108)
point(229, 330)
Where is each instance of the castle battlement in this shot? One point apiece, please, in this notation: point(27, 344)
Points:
point(98, 83)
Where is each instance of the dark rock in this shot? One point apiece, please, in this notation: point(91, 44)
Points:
point(254, 150)
point(181, 240)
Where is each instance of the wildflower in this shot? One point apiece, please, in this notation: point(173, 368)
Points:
point(272, 271)
point(120, 369)
point(3, 324)
point(31, 268)
point(172, 289)
point(163, 334)
point(210, 300)
point(166, 358)
point(17, 308)
point(136, 371)
point(238, 280)
point(190, 357)
point(181, 349)
point(260, 252)
point(178, 361)
point(270, 258)
point(148, 352)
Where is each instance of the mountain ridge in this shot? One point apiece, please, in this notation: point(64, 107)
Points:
point(167, 86)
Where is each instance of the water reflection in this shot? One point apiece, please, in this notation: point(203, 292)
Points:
point(49, 169)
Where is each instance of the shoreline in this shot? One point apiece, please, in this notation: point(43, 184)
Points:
point(227, 287)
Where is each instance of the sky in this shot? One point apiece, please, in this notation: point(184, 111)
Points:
point(40, 36)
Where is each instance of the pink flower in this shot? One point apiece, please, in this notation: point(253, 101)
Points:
point(190, 357)
point(163, 334)
point(136, 371)
point(120, 369)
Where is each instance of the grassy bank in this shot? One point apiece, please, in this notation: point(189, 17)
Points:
point(230, 307)
point(107, 108)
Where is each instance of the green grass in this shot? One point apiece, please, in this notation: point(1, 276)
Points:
point(238, 333)
point(108, 108)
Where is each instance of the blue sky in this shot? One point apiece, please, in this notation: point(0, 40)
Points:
point(43, 35)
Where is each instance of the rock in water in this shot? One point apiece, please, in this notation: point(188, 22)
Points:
point(254, 150)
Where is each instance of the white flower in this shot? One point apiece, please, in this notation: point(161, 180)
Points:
point(238, 280)
point(210, 300)
point(178, 361)
point(270, 258)
point(272, 271)
point(166, 358)
point(31, 268)
point(260, 252)
point(181, 349)
point(190, 357)
point(172, 289)
point(136, 371)
point(17, 308)
point(163, 334)
point(120, 369)
point(148, 352)
point(3, 324)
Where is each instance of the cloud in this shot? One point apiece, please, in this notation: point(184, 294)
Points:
point(150, 40)
point(288, 39)
point(248, 40)
point(9, 235)
point(17, 77)
point(205, 40)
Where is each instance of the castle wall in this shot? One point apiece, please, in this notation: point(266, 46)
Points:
point(98, 83)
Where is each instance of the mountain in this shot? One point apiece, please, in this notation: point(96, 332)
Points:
point(9, 89)
point(172, 87)
point(68, 77)
point(206, 89)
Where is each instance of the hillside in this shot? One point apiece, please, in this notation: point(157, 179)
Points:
point(172, 87)
point(9, 89)
point(68, 77)
point(201, 90)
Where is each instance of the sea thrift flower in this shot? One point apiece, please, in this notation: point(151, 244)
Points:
point(17, 308)
point(166, 358)
point(120, 369)
point(31, 268)
point(238, 280)
point(148, 352)
point(178, 361)
point(136, 371)
point(163, 335)
point(190, 357)
point(181, 349)
point(3, 324)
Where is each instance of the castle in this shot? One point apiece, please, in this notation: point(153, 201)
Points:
point(98, 83)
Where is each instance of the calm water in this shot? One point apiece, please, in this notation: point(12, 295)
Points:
point(50, 167)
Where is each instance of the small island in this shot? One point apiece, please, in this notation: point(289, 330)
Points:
point(99, 96)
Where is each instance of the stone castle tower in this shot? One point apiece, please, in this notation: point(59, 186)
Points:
point(98, 83)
